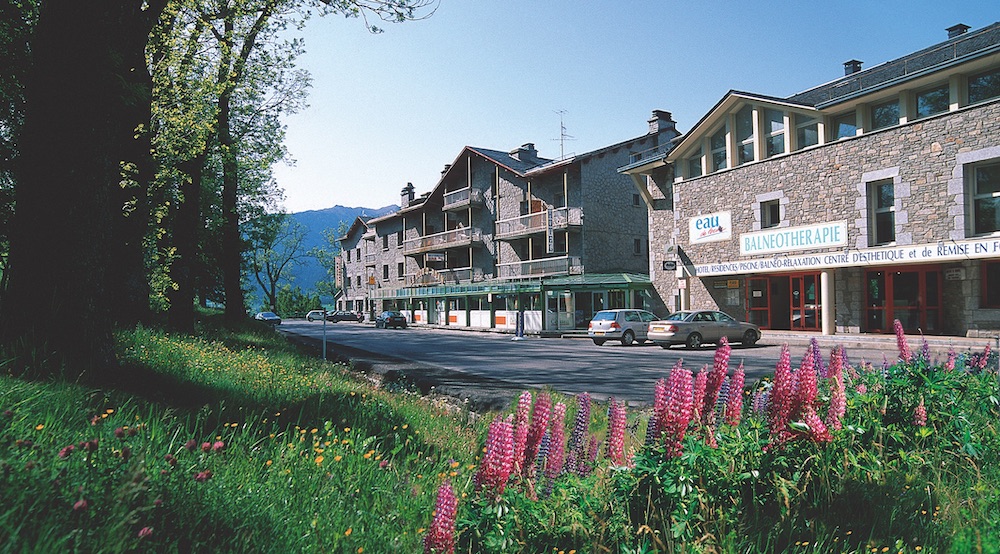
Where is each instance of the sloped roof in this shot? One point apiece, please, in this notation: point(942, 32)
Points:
point(504, 159)
point(632, 280)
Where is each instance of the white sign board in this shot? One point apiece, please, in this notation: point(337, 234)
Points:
point(788, 239)
point(710, 228)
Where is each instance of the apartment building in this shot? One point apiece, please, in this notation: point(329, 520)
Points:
point(870, 198)
point(509, 236)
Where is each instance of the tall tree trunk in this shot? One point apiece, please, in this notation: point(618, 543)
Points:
point(232, 245)
point(184, 269)
point(81, 117)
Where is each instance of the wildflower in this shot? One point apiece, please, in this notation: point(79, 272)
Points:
point(949, 365)
point(66, 451)
point(218, 446)
point(80, 505)
point(557, 452)
point(700, 384)
point(206, 446)
point(920, 414)
point(781, 397)
point(126, 453)
point(170, 459)
point(39, 427)
point(616, 432)
point(120, 432)
point(382, 465)
point(714, 380)
point(575, 448)
point(904, 349)
point(653, 429)
point(985, 358)
point(319, 460)
point(539, 425)
point(521, 430)
point(497, 463)
point(817, 430)
point(838, 397)
point(817, 357)
point(145, 532)
point(440, 538)
point(203, 476)
point(190, 445)
point(679, 409)
point(348, 532)
point(734, 404)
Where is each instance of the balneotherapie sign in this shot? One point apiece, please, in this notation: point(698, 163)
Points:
point(790, 239)
point(710, 227)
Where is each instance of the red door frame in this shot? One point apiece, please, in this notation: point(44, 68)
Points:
point(927, 311)
point(800, 309)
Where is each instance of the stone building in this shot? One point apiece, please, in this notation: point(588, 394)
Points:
point(870, 198)
point(509, 236)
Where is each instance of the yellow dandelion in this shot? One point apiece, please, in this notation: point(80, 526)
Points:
point(454, 464)
point(368, 454)
point(39, 427)
point(347, 429)
point(918, 548)
point(319, 460)
point(421, 530)
point(268, 463)
point(302, 431)
point(361, 549)
point(452, 473)
point(405, 425)
point(348, 532)
point(886, 548)
point(314, 430)
point(109, 411)
point(337, 458)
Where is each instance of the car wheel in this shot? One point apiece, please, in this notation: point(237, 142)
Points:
point(598, 342)
point(749, 338)
point(627, 338)
point(693, 341)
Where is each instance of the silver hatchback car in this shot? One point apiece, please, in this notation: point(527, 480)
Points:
point(625, 325)
point(694, 328)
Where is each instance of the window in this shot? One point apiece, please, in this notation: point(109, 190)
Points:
point(385, 272)
point(775, 121)
point(986, 199)
point(637, 247)
point(559, 241)
point(881, 209)
point(560, 200)
point(885, 114)
point(358, 281)
point(991, 284)
point(770, 214)
point(385, 242)
point(399, 238)
point(348, 255)
point(744, 135)
point(984, 87)
point(694, 164)
point(400, 269)
point(933, 101)
point(845, 125)
point(718, 144)
point(806, 130)
point(636, 200)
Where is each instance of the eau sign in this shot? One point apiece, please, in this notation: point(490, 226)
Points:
point(710, 227)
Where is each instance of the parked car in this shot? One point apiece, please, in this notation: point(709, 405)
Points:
point(268, 317)
point(696, 327)
point(315, 315)
point(344, 315)
point(390, 318)
point(624, 325)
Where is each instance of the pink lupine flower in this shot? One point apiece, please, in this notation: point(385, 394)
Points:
point(781, 397)
point(539, 425)
point(218, 446)
point(206, 446)
point(838, 396)
point(521, 430)
point(203, 476)
point(660, 398)
point(616, 432)
point(557, 447)
point(949, 365)
point(494, 471)
point(861, 388)
point(734, 404)
point(985, 357)
point(80, 505)
point(920, 414)
point(700, 385)
point(806, 386)
point(714, 380)
point(440, 538)
point(66, 451)
point(904, 348)
point(679, 411)
point(817, 430)
point(145, 532)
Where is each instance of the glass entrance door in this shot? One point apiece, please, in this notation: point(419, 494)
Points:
point(911, 295)
point(784, 302)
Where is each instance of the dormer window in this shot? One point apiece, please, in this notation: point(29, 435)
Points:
point(744, 136)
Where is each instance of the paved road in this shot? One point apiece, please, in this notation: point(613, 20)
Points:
point(491, 368)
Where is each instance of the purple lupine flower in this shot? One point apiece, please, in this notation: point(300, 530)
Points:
point(714, 380)
point(817, 357)
point(653, 427)
point(838, 396)
point(616, 433)
point(576, 450)
point(761, 403)
point(950, 364)
point(904, 348)
point(925, 348)
point(920, 414)
point(734, 402)
point(440, 538)
point(521, 430)
point(557, 446)
point(539, 427)
point(543, 451)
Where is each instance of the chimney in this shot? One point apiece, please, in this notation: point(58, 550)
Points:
point(406, 195)
point(445, 170)
point(956, 30)
point(525, 153)
point(661, 121)
point(852, 66)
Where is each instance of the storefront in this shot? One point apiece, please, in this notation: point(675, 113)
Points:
point(785, 301)
point(910, 294)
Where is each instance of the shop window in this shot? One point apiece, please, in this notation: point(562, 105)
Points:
point(933, 101)
point(718, 143)
point(882, 213)
point(775, 121)
point(844, 125)
point(744, 136)
point(991, 284)
point(985, 188)
point(806, 131)
point(885, 115)
point(985, 86)
point(770, 214)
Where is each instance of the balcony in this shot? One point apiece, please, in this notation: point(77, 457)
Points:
point(456, 238)
point(462, 198)
point(562, 218)
point(565, 265)
point(452, 276)
point(369, 259)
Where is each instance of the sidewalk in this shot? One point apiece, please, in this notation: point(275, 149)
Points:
point(879, 341)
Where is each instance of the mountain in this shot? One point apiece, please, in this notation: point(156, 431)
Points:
point(309, 272)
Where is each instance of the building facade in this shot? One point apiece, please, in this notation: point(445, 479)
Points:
point(510, 238)
point(867, 199)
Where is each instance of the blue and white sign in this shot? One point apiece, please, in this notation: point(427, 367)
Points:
point(789, 239)
point(710, 227)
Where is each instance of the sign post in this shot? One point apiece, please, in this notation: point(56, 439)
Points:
point(324, 335)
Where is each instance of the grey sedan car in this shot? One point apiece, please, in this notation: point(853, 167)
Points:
point(623, 325)
point(694, 328)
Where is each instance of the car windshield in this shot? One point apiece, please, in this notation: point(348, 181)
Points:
point(268, 314)
point(605, 316)
point(678, 316)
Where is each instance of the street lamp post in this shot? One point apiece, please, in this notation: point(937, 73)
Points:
point(324, 335)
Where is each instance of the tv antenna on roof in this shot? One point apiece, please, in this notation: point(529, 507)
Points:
point(563, 137)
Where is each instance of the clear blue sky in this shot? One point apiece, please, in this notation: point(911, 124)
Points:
point(391, 108)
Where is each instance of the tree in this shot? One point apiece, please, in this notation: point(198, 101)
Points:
point(276, 247)
point(328, 256)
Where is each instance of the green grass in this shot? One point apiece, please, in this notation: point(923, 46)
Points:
point(235, 441)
